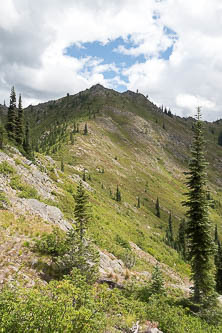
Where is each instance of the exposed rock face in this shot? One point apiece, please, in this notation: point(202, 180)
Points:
point(30, 174)
point(48, 213)
point(110, 265)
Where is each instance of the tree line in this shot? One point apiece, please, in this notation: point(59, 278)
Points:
point(17, 128)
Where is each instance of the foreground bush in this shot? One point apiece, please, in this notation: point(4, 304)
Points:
point(64, 306)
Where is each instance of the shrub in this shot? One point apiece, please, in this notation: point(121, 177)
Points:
point(53, 244)
point(26, 191)
point(122, 242)
point(4, 202)
point(129, 258)
point(6, 168)
point(64, 306)
point(80, 254)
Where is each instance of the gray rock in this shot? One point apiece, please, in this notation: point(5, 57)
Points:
point(48, 213)
point(109, 264)
point(152, 330)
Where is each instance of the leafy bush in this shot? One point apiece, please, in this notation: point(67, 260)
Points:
point(69, 252)
point(176, 319)
point(6, 168)
point(4, 202)
point(53, 244)
point(122, 242)
point(129, 258)
point(64, 306)
point(26, 191)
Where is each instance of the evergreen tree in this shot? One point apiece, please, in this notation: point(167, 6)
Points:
point(19, 123)
point(81, 213)
point(85, 130)
point(218, 264)
point(200, 242)
point(118, 194)
point(84, 175)
point(181, 241)
point(216, 239)
point(11, 124)
point(26, 142)
point(71, 137)
point(169, 232)
point(62, 165)
point(138, 202)
point(157, 208)
point(220, 139)
point(218, 261)
point(1, 136)
point(81, 254)
point(157, 283)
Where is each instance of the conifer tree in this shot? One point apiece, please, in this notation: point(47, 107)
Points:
point(1, 136)
point(19, 123)
point(118, 194)
point(138, 202)
point(84, 175)
point(71, 137)
point(157, 208)
point(220, 139)
point(62, 165)
point(199, 229)
point(157, 282)
point(218, 263)
point(181, 241)
point(81, 211)
point(26, 142)
point(11, 124)
point(169, 232)
point(85, 130)
point(216, 239)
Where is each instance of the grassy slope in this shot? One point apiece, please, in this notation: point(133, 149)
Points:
point(126, 139)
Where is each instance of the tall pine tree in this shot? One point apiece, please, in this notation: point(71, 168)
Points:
point(26, 142)
point(81, 211)
point(1, 136)
point(199, 229)
point(157, 206)
point(169, 232)
point(118, 194)
point(19, 123)
point(11, 124)
point(181, 240)
point(218, 263)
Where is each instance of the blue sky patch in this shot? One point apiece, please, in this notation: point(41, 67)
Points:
point(167, 53)
point(109, 54)
point(106, 52)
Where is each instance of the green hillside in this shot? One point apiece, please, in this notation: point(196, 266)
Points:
point(132, 144)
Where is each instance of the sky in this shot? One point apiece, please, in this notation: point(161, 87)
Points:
point(169, 50)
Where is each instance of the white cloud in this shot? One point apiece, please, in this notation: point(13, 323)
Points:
point(192, 75)
point(34, 35)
